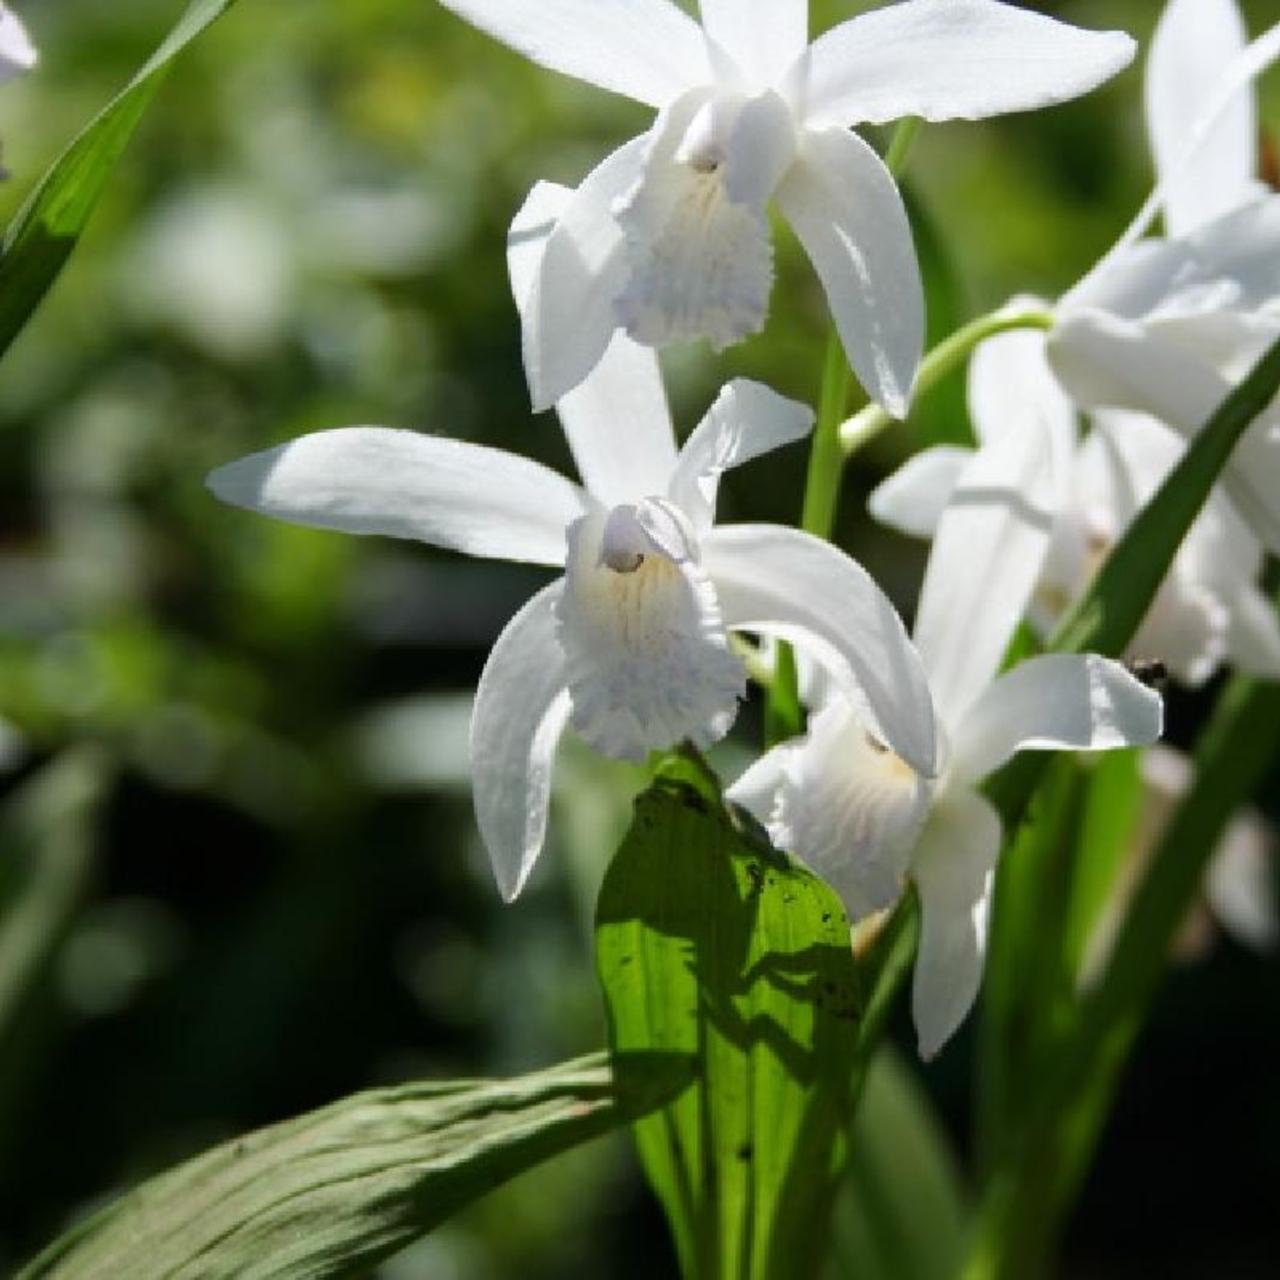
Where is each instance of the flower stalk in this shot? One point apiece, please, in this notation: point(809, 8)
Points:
point(945, 358)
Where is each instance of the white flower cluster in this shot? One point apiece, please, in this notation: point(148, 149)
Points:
point(668, 240)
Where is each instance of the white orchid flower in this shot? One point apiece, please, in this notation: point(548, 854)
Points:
point(846, 803)
point(1209, 610)
point(17, 53)
point(669, 237)
point(630, 645)
point(1168, 327)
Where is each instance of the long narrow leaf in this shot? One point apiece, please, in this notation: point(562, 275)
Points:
point(48, 227)
point(331, 1193)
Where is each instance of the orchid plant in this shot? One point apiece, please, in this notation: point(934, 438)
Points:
point(842, 800)
point(919, 803)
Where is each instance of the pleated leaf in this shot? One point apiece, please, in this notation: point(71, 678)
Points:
point(48, 227)
point(331, 1193)
point(710, 943)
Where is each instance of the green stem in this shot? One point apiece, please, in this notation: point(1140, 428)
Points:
point(943, 359)
point(826, 459)
point(783, 714)
point(904, 137)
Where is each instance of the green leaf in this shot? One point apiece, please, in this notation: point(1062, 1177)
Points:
point(331, 1193)
point(48, 227)
point(710, 943)
point(902, 1212)
point(1112, 810)
point(1024, 978)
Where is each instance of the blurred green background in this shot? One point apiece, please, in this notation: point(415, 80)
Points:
point(239, 875)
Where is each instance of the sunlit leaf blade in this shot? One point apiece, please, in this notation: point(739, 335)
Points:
point(331, 1193)
point(46, 859)
point(901, 1213)
point(48, 227)
point(710, 943)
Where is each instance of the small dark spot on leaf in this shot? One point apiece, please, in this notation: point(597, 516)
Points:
point(746, 1151)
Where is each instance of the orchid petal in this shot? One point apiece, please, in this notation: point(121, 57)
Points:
point(17, 53)
point(1012, 388)
point(1109, 363)
point(846, 805)
point(647, 656)
point(756, 789)
point(790, 585)
point(1195, 41)
point(520, 711)
point(619, 427)
point(955, 59)
point(1254, 634)
point(698, 249)
point(763, 38)
point(643, 49)
point(846, 208)
point(1230, 263)
point(954, 870)
point(372, 480)
point(568, 265)
point(987, 554)
point(1061, 702)
point(1240, 883)
point(746, 421)
point(913, 499)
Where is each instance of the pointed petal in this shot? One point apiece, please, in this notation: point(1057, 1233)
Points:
point(644, 49)
point(619, 427)
point(954, 869)
point(1195, 42)
point(616, 420)
point(955, 59)
point(1061, 702)
point(987, 554)
point(646, 652)
point(746, 421)
point(568, 266)
point(1254, 636)
point(764, 38)
point(520, 711)
point(372, 480)
point(847, 210)
point(1012, 388)
point(1228, 268)
point(1240, 884)
point(17, 53)
point(913, 499)
point(785, 583)
point(1109, 363)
